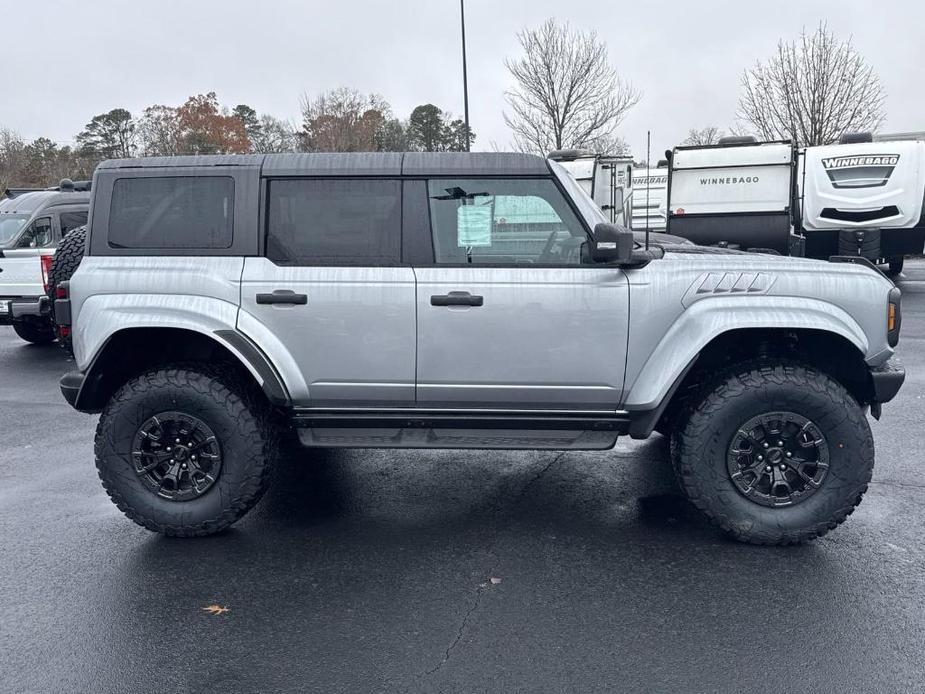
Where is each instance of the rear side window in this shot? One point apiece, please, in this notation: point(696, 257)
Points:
point(72, 220)
point(182, 212)
point(334, 222)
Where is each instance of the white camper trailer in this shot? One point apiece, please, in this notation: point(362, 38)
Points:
point(650, 198)
point(863, 197)
point(739, 192)
point(860, 197)
point(607, 179)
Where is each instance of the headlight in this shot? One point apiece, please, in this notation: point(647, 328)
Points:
point(894, 317)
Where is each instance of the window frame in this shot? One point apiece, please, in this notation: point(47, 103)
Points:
point(264, 226)
point(244, 240)
point(521, 266)
point(52, 241)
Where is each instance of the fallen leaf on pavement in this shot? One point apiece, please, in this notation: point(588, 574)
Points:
point(216, 609)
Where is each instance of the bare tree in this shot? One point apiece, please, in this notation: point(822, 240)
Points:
point(159, 131)
point(709, 135)
point(567, 95)
point(12, 159)
point(274, 135)
point(812, 91)
point(343, 120)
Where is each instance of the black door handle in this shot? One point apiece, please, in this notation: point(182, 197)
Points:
point(456, 299)
point(283, 296)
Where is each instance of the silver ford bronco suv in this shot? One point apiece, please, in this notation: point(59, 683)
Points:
point(453, 300)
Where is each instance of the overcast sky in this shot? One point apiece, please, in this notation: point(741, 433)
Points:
point(64, 62)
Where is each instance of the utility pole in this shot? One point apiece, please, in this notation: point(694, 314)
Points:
point(462, 20)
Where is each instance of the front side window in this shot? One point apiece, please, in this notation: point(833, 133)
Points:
point(334, 221)
point(172, 212)
point(38, 235)
point(503, 221)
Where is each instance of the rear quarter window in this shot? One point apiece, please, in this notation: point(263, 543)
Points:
point(172, 212)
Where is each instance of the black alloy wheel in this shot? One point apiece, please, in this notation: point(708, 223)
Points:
point(177, 456)
point(778, 459)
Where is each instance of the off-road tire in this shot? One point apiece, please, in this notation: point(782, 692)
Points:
point(706, 427)
point(241, 420)
point(896, 264)
point(65, 262)
point(36, 333)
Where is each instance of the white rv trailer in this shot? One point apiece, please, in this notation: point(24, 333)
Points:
point(738, 192)
point(858, 197)
point(650, 198)
point(607, 179)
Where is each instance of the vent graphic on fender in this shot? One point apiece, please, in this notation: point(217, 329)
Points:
point(714, 283)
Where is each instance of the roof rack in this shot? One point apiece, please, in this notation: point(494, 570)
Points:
point(16, 192)
point(68, 186)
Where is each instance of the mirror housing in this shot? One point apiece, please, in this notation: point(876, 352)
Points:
point(612, 244)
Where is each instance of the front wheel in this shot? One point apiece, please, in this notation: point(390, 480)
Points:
point(774, 454)
point(35, 332)
point(185, 451)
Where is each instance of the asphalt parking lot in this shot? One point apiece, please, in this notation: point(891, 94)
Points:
point(450, 571)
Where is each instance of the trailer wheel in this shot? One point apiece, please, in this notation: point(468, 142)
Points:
point(896, 264)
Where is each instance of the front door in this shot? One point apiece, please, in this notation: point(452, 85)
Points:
point(329, 301)
point(512, 314)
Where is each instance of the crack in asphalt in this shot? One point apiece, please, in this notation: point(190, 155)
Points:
point(462, 627)
point(461, 630)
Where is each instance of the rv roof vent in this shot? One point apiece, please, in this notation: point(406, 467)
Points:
point(569, 154)
point(737, 140)
point(855, 138)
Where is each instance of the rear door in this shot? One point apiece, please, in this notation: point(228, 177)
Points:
point(511, 314)
point(329, 299)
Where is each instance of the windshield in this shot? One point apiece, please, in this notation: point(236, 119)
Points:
point(10, 226)
point(589, 210)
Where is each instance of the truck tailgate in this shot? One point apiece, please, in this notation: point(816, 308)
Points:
point(21, 272)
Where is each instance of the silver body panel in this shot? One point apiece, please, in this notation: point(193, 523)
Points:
point(544, 338)
point(352, 342)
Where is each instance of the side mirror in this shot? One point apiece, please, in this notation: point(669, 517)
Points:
point(612, 244)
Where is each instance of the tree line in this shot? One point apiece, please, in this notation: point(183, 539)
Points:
point(566, 94)
point(341, 120)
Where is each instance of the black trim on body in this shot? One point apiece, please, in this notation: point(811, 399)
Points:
point(887, 379)
point(412, 418)
point(273, 385)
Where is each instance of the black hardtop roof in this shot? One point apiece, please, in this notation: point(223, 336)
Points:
point(356, 164)
point(29, 203)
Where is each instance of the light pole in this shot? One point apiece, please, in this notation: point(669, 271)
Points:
point(462, 21)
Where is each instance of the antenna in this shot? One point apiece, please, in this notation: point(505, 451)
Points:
point(648, 177)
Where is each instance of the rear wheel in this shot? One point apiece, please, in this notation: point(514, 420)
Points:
point(185, 451)
point(38, 333)
point(896, 264)
point(774, 454)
